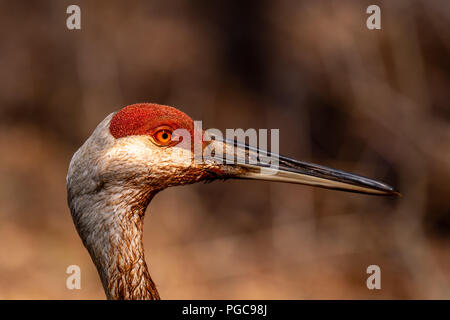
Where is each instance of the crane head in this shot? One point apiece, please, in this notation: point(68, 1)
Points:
point(145, 148)
point(153, 146)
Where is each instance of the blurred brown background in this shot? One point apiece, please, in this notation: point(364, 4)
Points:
point(371, 102)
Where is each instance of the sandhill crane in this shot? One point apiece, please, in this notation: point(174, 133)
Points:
point(129, 158)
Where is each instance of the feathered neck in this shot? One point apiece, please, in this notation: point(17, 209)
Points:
point(127, 276)
point(111, 227)
point(107, 200)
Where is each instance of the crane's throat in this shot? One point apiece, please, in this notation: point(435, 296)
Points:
point(128, 276)
point(114, 239)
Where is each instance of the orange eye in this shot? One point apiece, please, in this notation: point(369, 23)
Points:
point(163, 137)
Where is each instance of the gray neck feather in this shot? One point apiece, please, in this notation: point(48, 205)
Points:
point(113, 236)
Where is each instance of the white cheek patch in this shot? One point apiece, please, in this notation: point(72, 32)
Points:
point(180, 155)
point(141, 152)
point(135, 148)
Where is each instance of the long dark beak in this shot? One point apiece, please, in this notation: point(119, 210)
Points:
point(255, 163)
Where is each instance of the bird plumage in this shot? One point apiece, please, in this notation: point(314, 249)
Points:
point(110, 183)
point(122, 166)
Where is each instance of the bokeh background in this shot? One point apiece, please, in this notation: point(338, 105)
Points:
point(374, 102)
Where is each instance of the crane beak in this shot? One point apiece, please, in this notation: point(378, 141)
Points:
point(257, 164)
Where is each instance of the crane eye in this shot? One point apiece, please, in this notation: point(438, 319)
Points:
point(163, 137)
